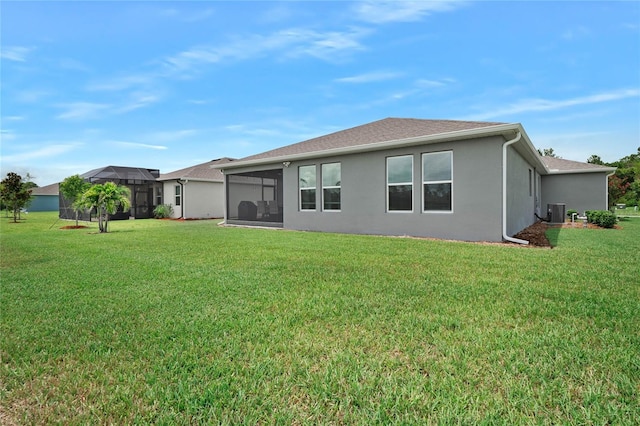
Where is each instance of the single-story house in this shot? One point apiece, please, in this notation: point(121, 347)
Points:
point(195, 192)
point(146, 193)
point(44, 199)
point(462, 180)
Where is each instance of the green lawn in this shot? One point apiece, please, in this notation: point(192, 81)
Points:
point(628, 211)
point(171, 322)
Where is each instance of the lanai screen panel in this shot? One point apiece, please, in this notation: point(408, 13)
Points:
point(255, 196)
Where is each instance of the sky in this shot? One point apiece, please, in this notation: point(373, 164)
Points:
point(168, 85)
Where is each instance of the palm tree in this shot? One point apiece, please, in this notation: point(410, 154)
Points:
point(106, 198)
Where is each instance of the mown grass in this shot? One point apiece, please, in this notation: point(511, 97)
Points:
point(627, 211)
point(191, 323)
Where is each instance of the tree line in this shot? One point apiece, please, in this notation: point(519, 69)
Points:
point(624, 184)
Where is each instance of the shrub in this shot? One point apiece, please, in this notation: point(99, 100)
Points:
point(570, 212)
point(163, 211)
point(603, 218)
point(607, 219)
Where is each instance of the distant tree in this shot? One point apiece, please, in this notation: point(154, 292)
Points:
point(617, 189)
point(107, 198)
point(72, 189)
point(14, 193)
point(548, 152)
point(595, 159)
point(624, 185)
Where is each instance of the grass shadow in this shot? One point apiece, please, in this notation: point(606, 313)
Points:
point(553, 234)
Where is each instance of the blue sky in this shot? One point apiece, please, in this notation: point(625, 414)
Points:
point(172, 84)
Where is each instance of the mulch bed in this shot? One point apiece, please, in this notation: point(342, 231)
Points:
point(535, 234)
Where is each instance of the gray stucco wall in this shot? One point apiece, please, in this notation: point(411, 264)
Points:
point(476, 201)
point(521, 178)
point(477, 195)
point(579, 191)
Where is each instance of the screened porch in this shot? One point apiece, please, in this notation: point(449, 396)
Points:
point(255, 198)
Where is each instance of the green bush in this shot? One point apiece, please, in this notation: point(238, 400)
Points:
point(570, 212)
point(163, 211)
point(603, 218)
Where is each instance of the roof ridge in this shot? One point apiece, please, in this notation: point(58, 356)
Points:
point(382, 130)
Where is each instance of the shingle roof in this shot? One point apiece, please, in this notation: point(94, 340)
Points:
point(559, 165)
point(202, 171)
point(388, 129)
point(46, 190)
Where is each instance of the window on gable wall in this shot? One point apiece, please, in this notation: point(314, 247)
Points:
point(307, 185)
point(331, 186)
point(437, 181)
point(400, 183)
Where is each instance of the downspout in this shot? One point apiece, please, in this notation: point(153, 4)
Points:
point(225, 196)
point(606, 203)
point(504, 191)
point(181, 197)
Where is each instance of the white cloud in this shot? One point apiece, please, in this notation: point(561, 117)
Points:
point(81, 110)
point(429, 84)
point(138, 100)
point(576, 33)
point(381, 12)
point(138, 145)
point(370, 77)
point(15, 53)
point(44, 152)
point(328, 46)
point(293, 42)
point(189, 17)
point(535, 105)
point(279, 13)
point(13, 118)
point(199, 15)
point(170, 135)
point(31, 96)
point(122, 83)
point(7, 135)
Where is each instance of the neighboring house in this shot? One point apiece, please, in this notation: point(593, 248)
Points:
point(44, 199)
point(462, 180)
point(195, 192)
point(145, 191)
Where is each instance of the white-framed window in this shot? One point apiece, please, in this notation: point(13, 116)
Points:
point(400, 183)
point(178, 194)
point(437, 181)
point(158, 195)
point(307, 185)
point(331, 186)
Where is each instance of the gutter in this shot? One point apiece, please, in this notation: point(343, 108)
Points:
point(504, 190)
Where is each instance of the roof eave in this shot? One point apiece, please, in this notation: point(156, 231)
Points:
point(187, 178)
point(578, 171)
